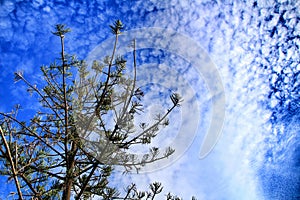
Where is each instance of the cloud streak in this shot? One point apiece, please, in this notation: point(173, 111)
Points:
point(247, 41)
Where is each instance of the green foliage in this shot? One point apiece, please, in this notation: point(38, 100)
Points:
point(50, 157)
point(61, 30)
point(117, 27)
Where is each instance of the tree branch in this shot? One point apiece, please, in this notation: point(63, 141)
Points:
point(97, 111)
point(12, 164)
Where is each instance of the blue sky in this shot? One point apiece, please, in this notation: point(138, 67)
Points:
point(254, 46)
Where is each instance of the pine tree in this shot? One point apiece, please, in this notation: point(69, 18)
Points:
point(51, 156)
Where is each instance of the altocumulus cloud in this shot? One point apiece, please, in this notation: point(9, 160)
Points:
point(254, 44)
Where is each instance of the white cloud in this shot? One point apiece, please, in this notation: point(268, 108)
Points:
point(232, 33)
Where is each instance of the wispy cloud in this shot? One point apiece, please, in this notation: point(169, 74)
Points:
point(237, 36)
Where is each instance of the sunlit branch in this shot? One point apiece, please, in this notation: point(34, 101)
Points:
point(12, 164)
